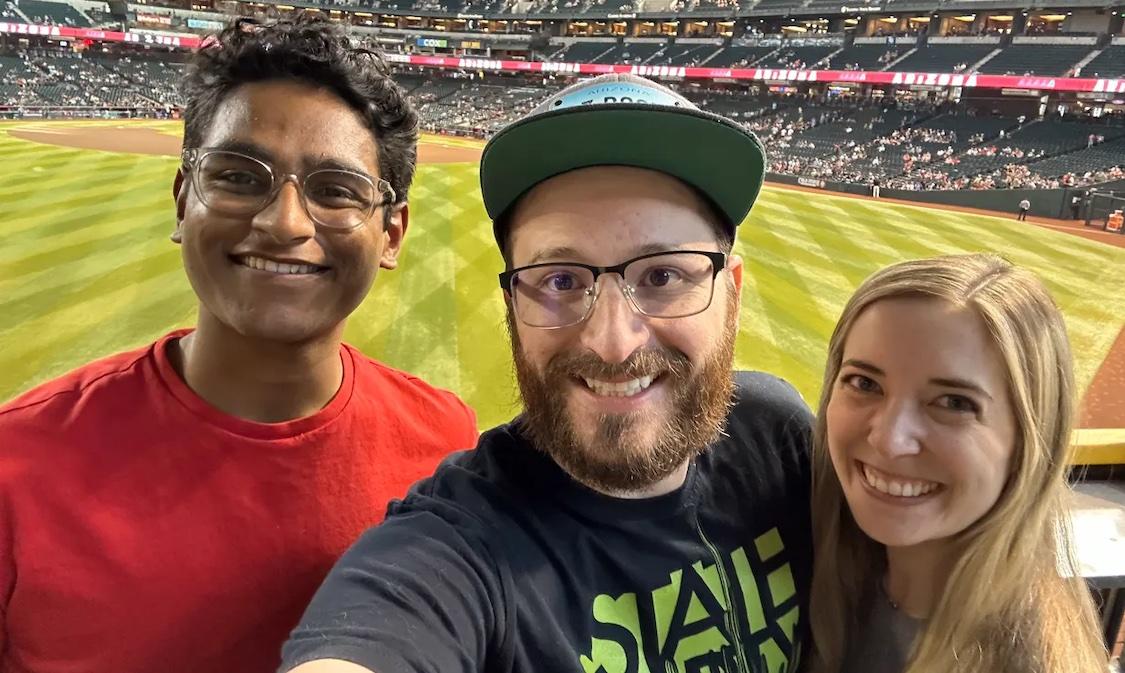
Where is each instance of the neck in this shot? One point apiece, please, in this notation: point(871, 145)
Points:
point(255, 379)
point(662, 487)
point(916, 576)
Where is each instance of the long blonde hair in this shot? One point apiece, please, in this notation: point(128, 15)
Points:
point(1005, 606)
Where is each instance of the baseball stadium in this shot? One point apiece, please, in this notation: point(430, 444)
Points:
point(894, 130)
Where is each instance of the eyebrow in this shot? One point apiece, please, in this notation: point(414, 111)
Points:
point(247, 148)
point(261, 153)
point(961, 384)
point(568, 253)
point(341, 166)
point(866, 366)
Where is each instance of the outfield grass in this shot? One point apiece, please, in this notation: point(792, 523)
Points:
point(86, 269)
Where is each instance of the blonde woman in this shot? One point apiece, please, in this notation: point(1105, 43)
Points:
point(939, 494)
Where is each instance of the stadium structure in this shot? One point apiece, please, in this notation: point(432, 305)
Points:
point(968, 102)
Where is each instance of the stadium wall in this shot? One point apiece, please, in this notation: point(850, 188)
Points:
point(1044, 202)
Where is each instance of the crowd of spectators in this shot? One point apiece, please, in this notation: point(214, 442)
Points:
point(64, 79)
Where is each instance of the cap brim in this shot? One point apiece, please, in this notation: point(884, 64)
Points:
point(711, 153)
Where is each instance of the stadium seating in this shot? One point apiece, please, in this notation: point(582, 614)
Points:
point(584, 52)
point(942, 57)
point(59, 13)
point(938, 134)
point(777, 6)
point(630, 53)
point(739, 57)
point(864, 57)
point(156, 80)
point(478, 109)
point(796, 57)
point(8, 13)
point(1099, 157)
point(1050, 138)
point(1034, 59)
point(435, 89)
point(76, 82)
point(734, 106)
point(1109, 63)
point(691, 6)
point(685, 54)
point(13, 68)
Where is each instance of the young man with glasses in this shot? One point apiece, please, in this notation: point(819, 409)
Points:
point(649, 510)
point(174, 508)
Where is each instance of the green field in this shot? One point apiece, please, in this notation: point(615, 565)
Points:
point(86, 269)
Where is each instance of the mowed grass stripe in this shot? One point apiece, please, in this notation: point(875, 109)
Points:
point(419, 339)
point(126, 317)
point(140, 190)
point(79, 226)
point(482, 341)
point(105, 258)
point(64, 296)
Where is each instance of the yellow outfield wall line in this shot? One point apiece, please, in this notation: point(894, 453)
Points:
point(1099, 446)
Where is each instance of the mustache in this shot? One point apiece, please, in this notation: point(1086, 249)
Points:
point(642, 362)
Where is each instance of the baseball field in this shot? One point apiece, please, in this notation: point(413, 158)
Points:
point(87, 269)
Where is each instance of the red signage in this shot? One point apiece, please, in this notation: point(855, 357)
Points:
point(777, 75)
point(66, 32)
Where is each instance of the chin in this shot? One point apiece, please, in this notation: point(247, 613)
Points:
point(894, 534)
point(278, 329)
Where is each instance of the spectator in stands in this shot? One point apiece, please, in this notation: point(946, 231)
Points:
point(940, 461)
point(512, 557)
point(174, 508)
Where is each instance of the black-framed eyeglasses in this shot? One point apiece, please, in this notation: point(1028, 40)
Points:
point(673, 284)
point(236, 184)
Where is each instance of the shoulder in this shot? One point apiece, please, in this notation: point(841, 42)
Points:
point(499, 455)
point(768, 430)
point(474, 489)
point(763, 398)
point(78, 391)
point(424, 399)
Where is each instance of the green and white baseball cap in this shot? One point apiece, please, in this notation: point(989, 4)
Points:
point(624, 120)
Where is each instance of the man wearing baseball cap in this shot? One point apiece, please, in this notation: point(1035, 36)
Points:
point(648, 511)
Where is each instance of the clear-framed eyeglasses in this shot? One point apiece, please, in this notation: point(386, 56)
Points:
point(674, 284)
point(232, 183)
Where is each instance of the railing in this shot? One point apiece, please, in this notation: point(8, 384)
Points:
point(8, 111)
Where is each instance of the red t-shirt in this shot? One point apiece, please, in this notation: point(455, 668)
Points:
point(144, 531)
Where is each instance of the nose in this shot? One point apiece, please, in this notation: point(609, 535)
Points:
point(284, 218)
point(614, 329)
point(896, 430)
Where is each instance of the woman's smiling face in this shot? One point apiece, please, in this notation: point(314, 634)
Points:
point(920, 426)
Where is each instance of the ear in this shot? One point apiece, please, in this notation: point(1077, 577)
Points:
point(179, 195)
point(734, 265)
point(393, 233)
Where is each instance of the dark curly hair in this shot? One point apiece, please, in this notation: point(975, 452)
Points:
point(306, 47)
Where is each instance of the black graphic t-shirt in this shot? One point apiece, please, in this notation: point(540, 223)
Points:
point(501, 563)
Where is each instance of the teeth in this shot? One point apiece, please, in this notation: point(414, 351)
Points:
point(623, 389)
point(903, 489)
point(278, 267)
